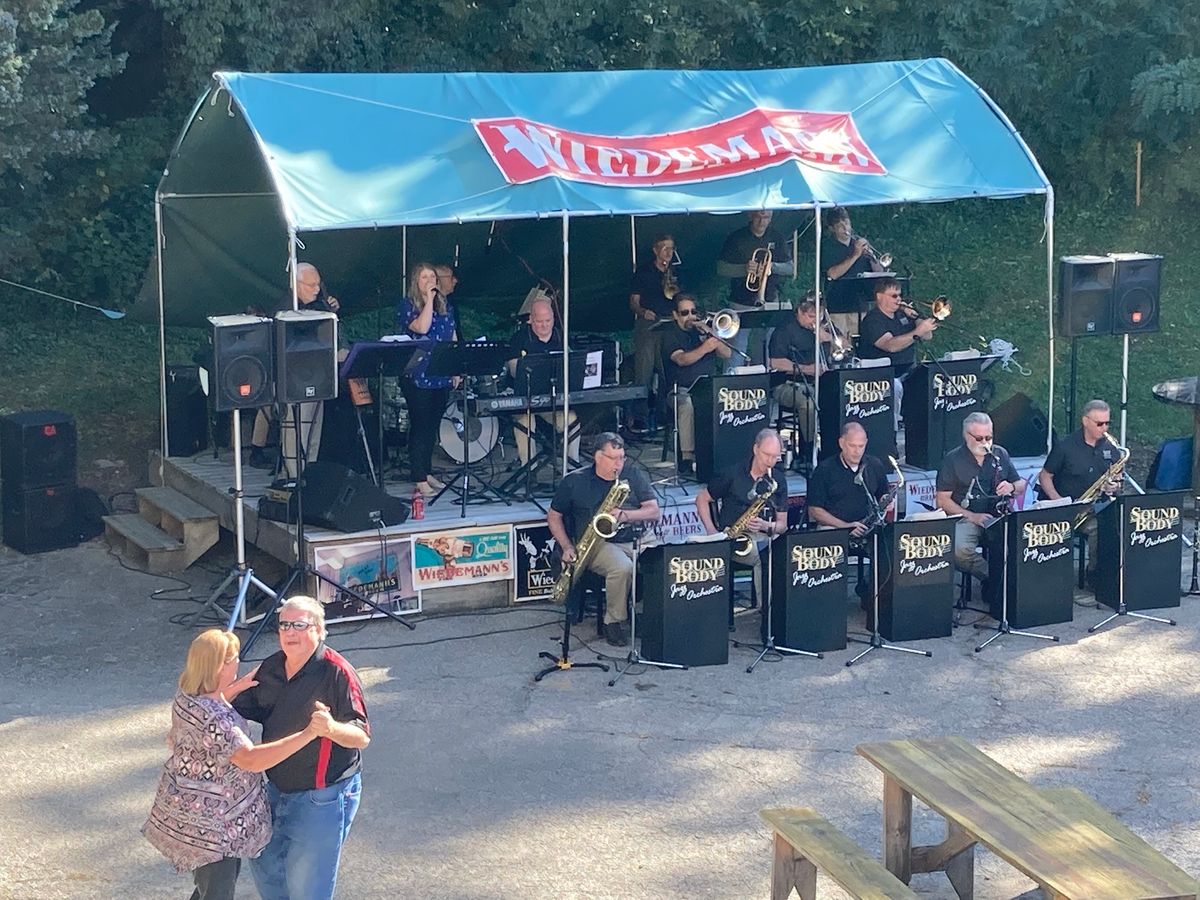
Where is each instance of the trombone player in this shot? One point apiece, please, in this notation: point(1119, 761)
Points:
point(793, 349)
point(1079, 461)
point(754, 255)
point(690, 350)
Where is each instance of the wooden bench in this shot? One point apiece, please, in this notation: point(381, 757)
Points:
point(805, 842)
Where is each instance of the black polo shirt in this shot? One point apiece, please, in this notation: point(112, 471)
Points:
point(525, 343)
point(647, 283)
point(834, 252)
point(875, 325)
point(832, 487)
point(579, 495)
point(733, 489)
point(1075, 466)
point(285, 706)
point(739, 247)
point(794, 342)
point(687, 340)
point(960, 472)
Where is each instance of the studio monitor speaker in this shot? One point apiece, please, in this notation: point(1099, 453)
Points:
point(339, 498)
point(1019, 426)
point(305, 356)
point(242, 365)
point(1085, 296)
point(37, 449)
point(1135, 292)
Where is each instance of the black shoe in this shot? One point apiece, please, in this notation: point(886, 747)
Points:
point(258, 459)
point(616, 634)
point(687, 467)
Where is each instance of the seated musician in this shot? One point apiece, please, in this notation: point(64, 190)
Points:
point(541, 335)
point(891, 330)
point(973, 477)
point(842, 485)
point(845, 255)
point(651, 299)
point(793, 349)
point(689, 351)
point(1077, 462)
point(737, 261)
point(577, 500)
point(735, 489)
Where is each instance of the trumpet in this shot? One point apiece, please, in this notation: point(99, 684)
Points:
point(758, 271)
point(938, 309)
point(884, 259)
point(723, 324)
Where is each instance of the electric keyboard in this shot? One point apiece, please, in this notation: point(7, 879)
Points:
point(489, 406)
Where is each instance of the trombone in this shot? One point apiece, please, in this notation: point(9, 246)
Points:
point(938, 309)
point(723, 324)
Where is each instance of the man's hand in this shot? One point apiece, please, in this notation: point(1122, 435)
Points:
point(1004, 488)
point(980, 519)
point(858, 529)
point(649, 315)
point(332, 303)
point(926, 327)
point(568, 555)
point(321, 722)
point(859, 246)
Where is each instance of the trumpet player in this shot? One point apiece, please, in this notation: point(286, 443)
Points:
point(891, 330)
point(690, 350)
point(651, 299)
point(731, 492)
point(793, 349)
point(738, 261)
point(845, 255)
point(577, 501)
point(1078, 461)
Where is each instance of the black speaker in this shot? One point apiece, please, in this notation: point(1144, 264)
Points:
point(37, 449)
point(339, 498)
point(1019, 426)
point(41, 519)
point(187, 411)
point(242, 365)
point(305, 356)
point(1135, 292)
point(1085, 295)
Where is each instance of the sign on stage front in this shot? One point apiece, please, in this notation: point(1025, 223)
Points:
point(463, 556)
point(382, 572)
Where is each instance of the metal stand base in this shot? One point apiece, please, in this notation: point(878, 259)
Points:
point(876, 642)
point(244, 578)
point(1004, 628)
point(635, 659)
point(561, 664)
point(1122, 611)
point(771, 647)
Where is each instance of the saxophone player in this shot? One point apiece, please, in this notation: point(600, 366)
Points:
point(1078, 461)
point(578, 499)
point(840, 484)
point(732, 492)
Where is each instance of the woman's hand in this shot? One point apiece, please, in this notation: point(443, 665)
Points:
point(244, 683)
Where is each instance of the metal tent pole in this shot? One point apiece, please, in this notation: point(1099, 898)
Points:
point(1049, 218)
point(162, 338)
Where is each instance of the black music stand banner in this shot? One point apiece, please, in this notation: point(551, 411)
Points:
point(1041, 570)
point(808, 599)
point(686, 592)
point(858, 395)
point(730, 411)
point(916, 579)
point(937, 397)
point(1151, 528)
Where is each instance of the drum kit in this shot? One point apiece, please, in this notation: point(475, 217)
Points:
point(483, 432)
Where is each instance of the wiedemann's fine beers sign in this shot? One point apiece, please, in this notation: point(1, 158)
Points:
point(812, 567)
point(954, 392)
point(691, 579)
point(923, 554)
point(867, 398)
point(1150, 526)
point(741, 407)
point(1044, 541)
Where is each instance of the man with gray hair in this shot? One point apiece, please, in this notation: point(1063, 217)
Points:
point(972, 479)
point(1078, 461)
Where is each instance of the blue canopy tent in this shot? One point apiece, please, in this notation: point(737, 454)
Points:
point(267, 158)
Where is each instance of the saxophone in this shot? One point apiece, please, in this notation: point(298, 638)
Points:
point(739, 530)
point(878, 512)
point(602, 527)
point(1114, 473)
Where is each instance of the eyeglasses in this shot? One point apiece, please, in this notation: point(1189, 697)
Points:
point(687, 312)
point(1103, 424)
point(979, 437)
point(295, 626)
point(895, 295)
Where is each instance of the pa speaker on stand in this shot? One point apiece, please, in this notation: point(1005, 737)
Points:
point(1136, 279)
point(242, 363)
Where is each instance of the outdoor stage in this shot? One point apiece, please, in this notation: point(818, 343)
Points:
point(496, 555)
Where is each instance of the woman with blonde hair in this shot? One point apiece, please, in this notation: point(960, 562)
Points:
point(425, 314)
point(211, 806)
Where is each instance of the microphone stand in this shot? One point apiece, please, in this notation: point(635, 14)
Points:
point(769, 645)
point(1194, 589)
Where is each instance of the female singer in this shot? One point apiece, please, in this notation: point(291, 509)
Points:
point(426, 315)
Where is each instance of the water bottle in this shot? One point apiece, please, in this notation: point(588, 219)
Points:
point(418, 504)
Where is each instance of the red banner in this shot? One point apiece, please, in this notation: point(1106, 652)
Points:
point(525, 150)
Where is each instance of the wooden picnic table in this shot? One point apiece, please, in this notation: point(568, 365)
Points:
point(1059, 846)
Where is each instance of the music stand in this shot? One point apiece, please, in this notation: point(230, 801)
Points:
point(377, 359)
point(635, 657)
point(1003, 627)
point(462, 359)
point(769, 645)
point(1122, 609)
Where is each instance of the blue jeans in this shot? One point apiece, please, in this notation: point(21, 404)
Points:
point(301, 862)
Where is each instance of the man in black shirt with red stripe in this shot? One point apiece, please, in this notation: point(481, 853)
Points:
point(314, 793)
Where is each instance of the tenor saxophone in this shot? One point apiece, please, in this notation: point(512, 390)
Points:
point(602, 527)
point(1114, 473)
point(739, 530)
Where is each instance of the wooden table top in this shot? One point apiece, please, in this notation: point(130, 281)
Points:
point(1055, 847)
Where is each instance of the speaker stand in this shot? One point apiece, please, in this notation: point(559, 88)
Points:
point(302, 571)
point(240, 573)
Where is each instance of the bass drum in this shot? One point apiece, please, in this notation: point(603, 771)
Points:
point(482, 437)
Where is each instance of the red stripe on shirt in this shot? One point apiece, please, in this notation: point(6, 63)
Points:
point(357, 699)
point(324, 749)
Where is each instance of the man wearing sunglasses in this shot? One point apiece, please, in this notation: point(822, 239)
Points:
point(689, 351)
point(973, 478)
point(1076, 462)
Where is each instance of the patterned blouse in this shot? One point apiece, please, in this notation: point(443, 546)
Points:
point(206, 808)
point(442, 328)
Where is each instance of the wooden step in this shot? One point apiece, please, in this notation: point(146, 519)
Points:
point(146, 545)
point(181, 517)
